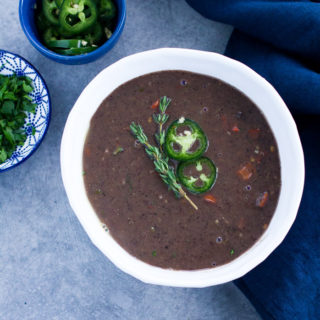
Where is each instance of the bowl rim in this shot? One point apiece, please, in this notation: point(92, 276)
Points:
point(89, 220)
point(84, 58)
point(36, 146)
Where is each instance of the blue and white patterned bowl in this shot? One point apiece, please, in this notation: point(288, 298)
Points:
point(13, 63)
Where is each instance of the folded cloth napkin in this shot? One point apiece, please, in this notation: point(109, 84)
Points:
point(278, 39)
point(281, 41)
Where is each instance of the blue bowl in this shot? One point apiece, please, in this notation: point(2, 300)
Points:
point(36, 125)
point(27, 21)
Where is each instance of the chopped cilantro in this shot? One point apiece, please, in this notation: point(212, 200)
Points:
point(154, 253)
point(231, 252)
point(14, 103)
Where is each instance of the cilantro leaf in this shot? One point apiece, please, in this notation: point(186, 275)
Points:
point(9, 96)
point(9, 135)
point(7, 107)
point(3, 155)
point(26, 87)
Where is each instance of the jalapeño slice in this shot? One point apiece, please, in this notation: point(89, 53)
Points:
point(185, 140)
point(66, 43)
point(197, 175)
point(75, 51)
point(51, 11)
point(75, 18)
point(59, 3)
point(94, 34)
point(107, 10)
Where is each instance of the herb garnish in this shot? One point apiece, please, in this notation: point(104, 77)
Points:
point(161, 163)
point(14, 103)
point(160, 119)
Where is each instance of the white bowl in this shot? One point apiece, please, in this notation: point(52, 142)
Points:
point(229, 71)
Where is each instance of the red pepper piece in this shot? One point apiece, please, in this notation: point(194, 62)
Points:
point(254, 133)
point(246, 171)
point(262, 199)
point(155, 105)
point(235, 129)
point(210, 198)
point(87, 151)
point(241, 223)
point(225, 125)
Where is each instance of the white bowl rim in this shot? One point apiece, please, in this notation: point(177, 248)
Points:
point(215, 65)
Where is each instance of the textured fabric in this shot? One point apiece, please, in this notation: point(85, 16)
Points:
point(297, 83)
point(280, 40)
point(293, 26)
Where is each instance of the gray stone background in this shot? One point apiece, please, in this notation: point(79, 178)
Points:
point(49, 269)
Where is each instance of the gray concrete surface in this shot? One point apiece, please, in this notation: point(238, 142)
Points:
point(49, 269)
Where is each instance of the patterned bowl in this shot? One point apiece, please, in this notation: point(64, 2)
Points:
point(36, 124)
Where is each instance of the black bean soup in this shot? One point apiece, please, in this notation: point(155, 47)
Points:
point(134, 203)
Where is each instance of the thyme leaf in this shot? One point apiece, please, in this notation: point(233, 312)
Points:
point(160, 119)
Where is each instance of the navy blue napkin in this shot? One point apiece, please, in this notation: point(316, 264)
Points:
point(281, 41)
point(295, 79)
point(278, 39)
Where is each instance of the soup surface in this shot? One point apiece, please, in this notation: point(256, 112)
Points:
point(134, 203)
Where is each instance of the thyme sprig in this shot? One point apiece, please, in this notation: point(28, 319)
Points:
point(161, 163)
point(160, 119)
